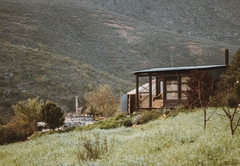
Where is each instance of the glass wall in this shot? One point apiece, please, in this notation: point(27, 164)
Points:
point(171, 87)
point(184, 86)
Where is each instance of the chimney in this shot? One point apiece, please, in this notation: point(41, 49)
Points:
point(226, 57)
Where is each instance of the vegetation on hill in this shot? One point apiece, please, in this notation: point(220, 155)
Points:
point(215, 20)
point(59, 49)
point(178, 140)
point(50, 76)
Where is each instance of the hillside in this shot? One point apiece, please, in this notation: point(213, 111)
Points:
point(28, 72)
point(178, 140)
point(216, 20)
point(59, 49)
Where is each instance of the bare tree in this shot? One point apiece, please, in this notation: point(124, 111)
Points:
point(229, 87)
point(229, 103)
point(201, 93)
point(103, 100)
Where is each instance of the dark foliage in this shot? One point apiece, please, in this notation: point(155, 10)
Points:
point(52, 115)
point(202, 86)
point(8, 135)
point(147, 116)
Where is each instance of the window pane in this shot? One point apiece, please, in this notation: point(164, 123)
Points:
point(171, 83)
point(172, 95)
point(184, 79)
point(172, 87)
point(184, 87)
point(171, 80)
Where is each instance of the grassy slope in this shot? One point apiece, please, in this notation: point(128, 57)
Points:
point(178, 140)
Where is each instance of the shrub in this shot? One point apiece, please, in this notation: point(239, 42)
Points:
point(92, 149)
point(147, 116)
point(127, 122)
point(8, 135)
point(52, 115)
point(124, 120)
point(109, 124)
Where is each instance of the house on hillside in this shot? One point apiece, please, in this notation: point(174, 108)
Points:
point(165, 87)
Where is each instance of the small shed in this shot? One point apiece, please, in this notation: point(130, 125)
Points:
point(165, 87)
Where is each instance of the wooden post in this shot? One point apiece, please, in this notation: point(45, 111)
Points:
point(164, 89)
point(179, 88)
point(157, 86)
point(137, 93)
point(150, 90)
point(226, 57)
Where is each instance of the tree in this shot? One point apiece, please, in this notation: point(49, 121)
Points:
point(229, 90)
point(27, 114)
point(102, 99)
point(201, 92)
point(52, 115)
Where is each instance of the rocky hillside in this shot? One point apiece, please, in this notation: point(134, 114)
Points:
point(58, 49)
point(216, 20)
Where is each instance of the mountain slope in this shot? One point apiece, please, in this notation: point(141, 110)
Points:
point(91, 35)
point(47, 46)
point(28, 72)
point(217, 20)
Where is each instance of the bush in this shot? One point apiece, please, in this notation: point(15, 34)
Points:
point(92, 149)
point(147, 116)
point(123, 120)
point(8, 135)
point(109, 124)
point(127, 122)
point(52, 115)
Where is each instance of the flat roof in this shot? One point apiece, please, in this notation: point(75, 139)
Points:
point(155, 70)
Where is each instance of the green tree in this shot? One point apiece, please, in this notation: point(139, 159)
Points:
point(27, 114)
point(229, 90)
point(52, 115)
point(103, 100)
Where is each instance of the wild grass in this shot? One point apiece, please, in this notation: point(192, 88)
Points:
point(178, 140)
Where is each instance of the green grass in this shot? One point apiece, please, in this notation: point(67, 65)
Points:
point(178, 140)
